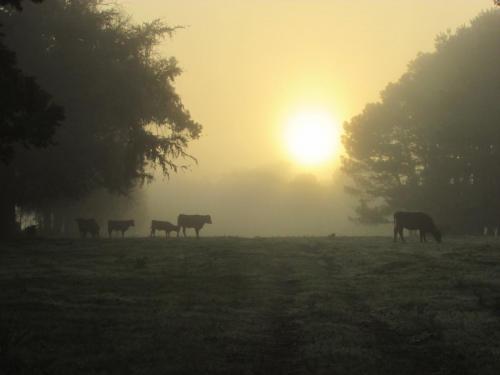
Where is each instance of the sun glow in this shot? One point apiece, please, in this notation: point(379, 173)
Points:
point(312, 137)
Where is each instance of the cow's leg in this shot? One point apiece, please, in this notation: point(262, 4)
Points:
point(400, 231)
point(153, 232)
point(197, 232)
point(184, 231)
point(109, 233)
point(395, 233)
point(421, 235)
point(167, 234)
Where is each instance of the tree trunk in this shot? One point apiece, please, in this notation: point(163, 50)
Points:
point(57, 225)
point(8, 225)
point(46, 222)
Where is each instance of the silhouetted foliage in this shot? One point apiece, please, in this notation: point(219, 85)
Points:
point(27, 118)
point(16, 3)
point(122, 112)
point(433, 142)
point(27, 115)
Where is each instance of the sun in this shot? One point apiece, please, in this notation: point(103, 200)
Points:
point(312, 137)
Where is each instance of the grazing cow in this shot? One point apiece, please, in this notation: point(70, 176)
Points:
point(163, 225)
point(415, 221)
point(193, 221)
point(119, 226)
point(89, 226)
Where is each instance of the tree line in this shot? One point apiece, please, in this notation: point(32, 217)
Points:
point(432, 142)
point(87, 106)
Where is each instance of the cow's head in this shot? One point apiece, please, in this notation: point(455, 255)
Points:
point(208, 219)
point(131, 223)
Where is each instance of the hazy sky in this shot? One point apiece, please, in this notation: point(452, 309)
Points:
point(251, 64)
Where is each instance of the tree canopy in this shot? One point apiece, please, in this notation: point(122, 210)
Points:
point(432, 143)
point(123, 115)
point(28, 117)
point(16, 3)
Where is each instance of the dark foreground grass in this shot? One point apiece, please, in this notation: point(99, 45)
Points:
point(250, 306)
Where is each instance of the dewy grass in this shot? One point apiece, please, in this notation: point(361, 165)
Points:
point(250, 306)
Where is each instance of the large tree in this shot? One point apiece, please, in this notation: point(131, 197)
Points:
point(433, 141)
point(123, 115)
point(28, 118)
point(27, 115)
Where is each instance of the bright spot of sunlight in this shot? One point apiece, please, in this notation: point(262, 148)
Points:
point(312, 137)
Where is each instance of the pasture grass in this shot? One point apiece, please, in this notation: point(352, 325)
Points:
point(250, 306)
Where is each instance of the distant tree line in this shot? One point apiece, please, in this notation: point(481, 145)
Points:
point(122, 115)
point(432, 143)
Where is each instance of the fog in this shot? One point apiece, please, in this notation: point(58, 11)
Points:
point(222, 88)
point(247, 66)
point(265, 201)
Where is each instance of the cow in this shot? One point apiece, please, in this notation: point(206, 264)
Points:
point(163, 225)
point(88, 226)
point(193, 221)
point(415, 221)
point(119, 226)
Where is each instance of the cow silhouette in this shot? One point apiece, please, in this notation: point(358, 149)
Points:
point(88, 226)
point(415, 221)
point(193, 221)
point(163, 226)
point(119, 226)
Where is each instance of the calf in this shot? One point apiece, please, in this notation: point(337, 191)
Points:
point(415, 221)
point(119, 226)
point(163, 225)
point(88, 226)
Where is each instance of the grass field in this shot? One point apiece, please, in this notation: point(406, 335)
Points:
point(250, 306)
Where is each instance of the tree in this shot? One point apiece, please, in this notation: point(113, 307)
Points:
point(27, 115)
point(433, 141)
point(16, 3)
point(123, 115)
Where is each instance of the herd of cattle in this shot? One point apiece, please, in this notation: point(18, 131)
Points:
point(90, 226)
point(412, 221)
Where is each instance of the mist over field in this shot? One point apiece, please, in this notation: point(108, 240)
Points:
point(314, 130)
point(267, 201)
